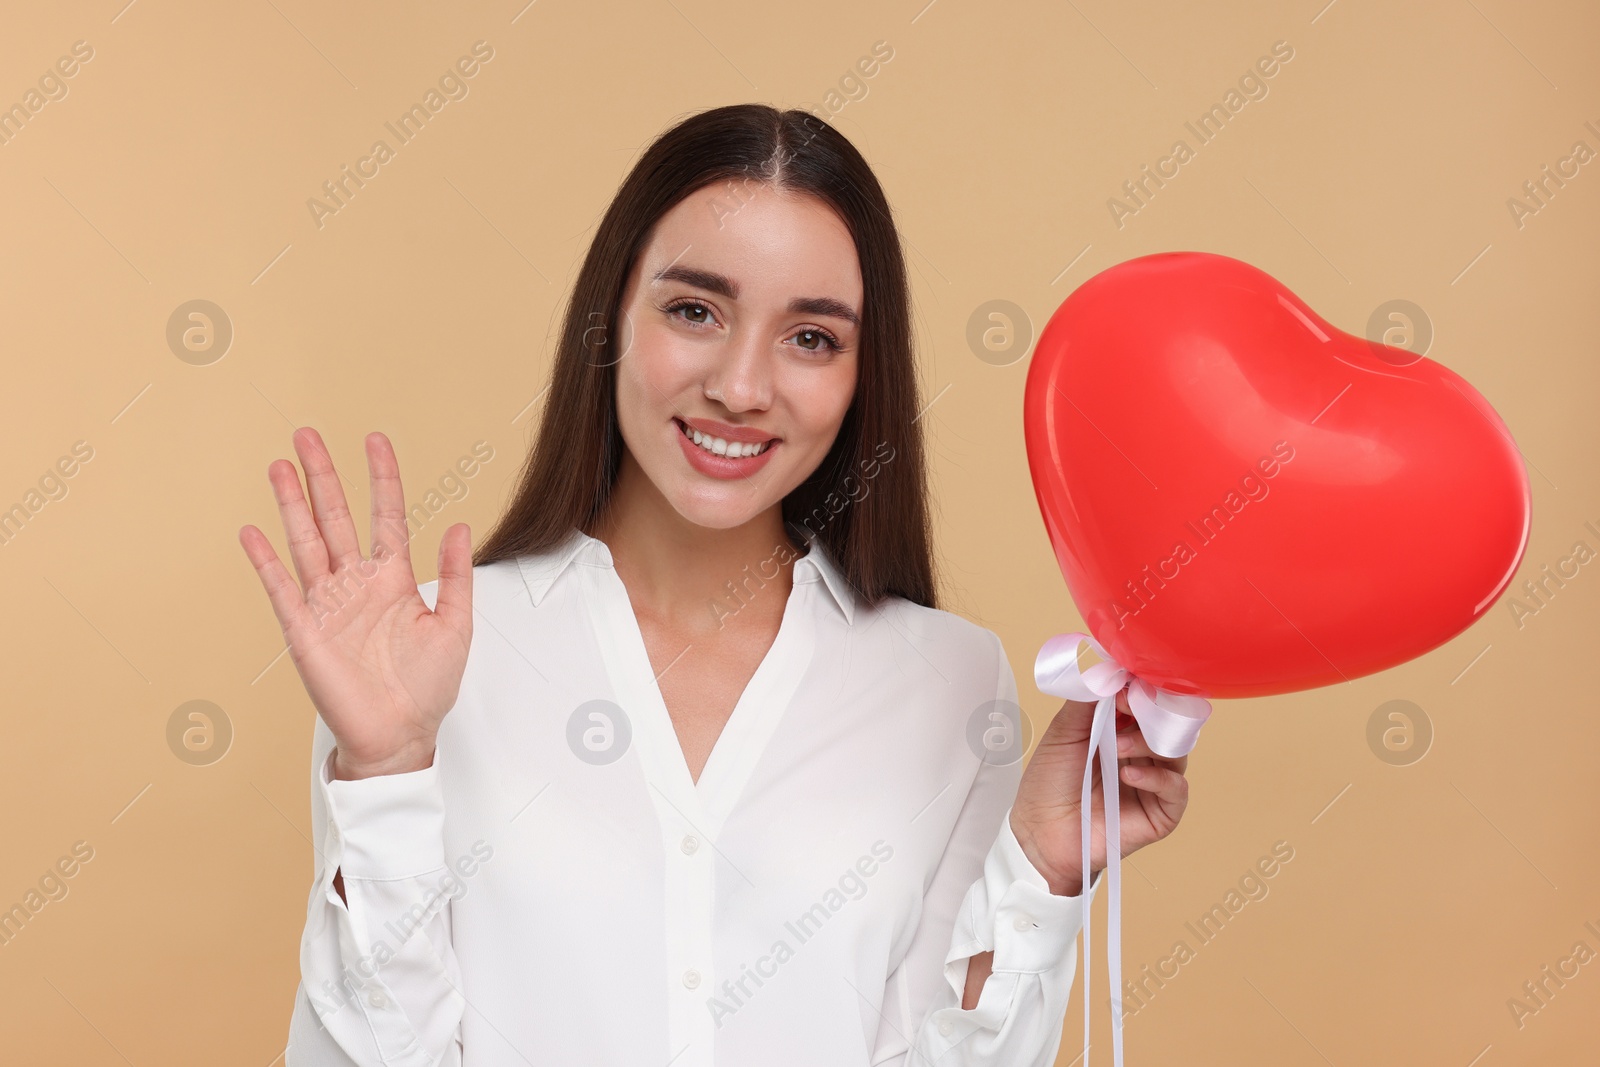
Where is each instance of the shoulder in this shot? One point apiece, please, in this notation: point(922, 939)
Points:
point(943, 637)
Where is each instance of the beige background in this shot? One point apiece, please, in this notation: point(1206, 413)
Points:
point(178, 167)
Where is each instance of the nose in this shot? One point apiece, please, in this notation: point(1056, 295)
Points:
point(742, 376)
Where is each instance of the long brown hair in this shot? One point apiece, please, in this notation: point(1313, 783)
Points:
point(867, 499)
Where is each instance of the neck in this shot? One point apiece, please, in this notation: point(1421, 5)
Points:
point(677, 570)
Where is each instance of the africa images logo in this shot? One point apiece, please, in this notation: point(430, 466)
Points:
point(453, 85)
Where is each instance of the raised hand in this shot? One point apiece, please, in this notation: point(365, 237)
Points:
point(380, 667)
point(1047, 816)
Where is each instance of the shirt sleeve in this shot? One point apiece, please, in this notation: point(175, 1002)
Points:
point(1008, 909)
point(379, 978)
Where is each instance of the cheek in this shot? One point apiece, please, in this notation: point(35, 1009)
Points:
point(821, 398)
point(660, 363)
point(631, 392)
point(644, 378)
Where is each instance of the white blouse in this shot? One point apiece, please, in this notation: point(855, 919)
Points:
point(556, 889)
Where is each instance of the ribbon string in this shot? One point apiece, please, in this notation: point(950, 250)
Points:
point(1170, 723)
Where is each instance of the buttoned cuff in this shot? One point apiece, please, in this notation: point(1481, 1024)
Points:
point(1034, 929)
point(384, 827)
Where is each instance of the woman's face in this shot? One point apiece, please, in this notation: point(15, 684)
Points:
point(739, 326)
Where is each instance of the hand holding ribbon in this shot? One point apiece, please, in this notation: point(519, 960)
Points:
point(1066, 835)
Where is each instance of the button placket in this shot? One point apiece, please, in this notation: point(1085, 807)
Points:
point(680, 809)
point(700, 890)
point(692, 813)
point(689, 911)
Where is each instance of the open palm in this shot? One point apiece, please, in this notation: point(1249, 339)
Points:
point(381, 668)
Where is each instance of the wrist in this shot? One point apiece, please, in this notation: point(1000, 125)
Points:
point(1066, 884)
point(1063, 880)
point(416, 757)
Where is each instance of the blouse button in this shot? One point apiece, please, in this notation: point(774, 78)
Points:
point(1021, 922)
point(377, 1000)
point(689, 844)
point(691, 978)
point(945, 1027)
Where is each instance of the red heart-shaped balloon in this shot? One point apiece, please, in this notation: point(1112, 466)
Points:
point(1245, 499)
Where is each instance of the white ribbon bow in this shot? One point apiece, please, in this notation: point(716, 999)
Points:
point(1170, 723)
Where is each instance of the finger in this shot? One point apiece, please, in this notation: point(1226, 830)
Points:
point(1167, 784)
point(287, 603)
point(327, 499)
point(389, 533)
point(306, 547)
point(454, 603)
point(1132, 745)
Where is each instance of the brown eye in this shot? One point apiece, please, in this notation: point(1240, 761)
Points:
point(816, 341)
point(691, 311)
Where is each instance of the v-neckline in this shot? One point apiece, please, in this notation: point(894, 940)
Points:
point(743, 738)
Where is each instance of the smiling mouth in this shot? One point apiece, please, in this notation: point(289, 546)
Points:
point(718, 447)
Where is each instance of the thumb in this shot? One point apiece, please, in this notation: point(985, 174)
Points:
point(454, 603)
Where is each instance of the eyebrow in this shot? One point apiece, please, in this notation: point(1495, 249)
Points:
point(722, 285)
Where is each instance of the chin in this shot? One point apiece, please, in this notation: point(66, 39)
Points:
point(716, 512)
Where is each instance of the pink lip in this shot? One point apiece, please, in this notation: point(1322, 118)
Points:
point(743, 434)
point(715, 466)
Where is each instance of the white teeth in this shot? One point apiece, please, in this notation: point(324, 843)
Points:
point(720, 447)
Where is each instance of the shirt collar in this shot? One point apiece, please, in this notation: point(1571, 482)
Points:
point(817, 560)
point(541, 569)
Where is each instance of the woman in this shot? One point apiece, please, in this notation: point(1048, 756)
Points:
point(688, 769)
